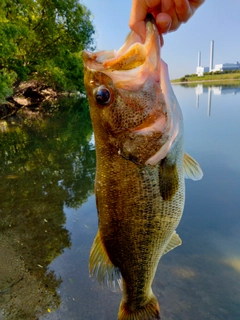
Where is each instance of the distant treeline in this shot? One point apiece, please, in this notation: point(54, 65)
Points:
point(43, 40)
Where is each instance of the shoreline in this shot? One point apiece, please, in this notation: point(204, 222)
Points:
point(202, 80)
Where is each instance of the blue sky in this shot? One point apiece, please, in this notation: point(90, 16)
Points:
point(217, 20)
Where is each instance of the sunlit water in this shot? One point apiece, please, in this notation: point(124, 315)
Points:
point(49, 219)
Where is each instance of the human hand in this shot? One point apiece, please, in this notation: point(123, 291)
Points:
point(169, 14)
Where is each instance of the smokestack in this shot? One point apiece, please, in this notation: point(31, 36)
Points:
point(199, 59)
point(211, 56)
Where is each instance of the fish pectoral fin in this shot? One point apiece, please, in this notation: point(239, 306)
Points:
point(192, 169)
point(168, 179)
point(100, 266)
point(174, 242)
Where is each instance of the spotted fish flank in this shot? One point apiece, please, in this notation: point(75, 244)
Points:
point(141, 165)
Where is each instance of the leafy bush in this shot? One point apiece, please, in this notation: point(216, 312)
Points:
point(183, 79)
point(6, 81)
point(43, 40)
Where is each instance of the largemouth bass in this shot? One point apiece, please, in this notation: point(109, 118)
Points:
point(141, 165)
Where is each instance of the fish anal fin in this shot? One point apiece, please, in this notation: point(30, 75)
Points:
point(100, 266)
point(148, 311)
point(168, 179)
point(191, 167)
point(174, 242)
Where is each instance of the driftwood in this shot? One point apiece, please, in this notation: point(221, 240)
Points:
point(31, 95)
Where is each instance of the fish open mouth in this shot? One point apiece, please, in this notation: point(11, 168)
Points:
point(131, 65)
point(144, 114)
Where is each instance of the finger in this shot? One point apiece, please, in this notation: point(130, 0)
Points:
point(139, 10)
point(175, 22)
point(137, 17)
point(164, 22)
point(154, 3)
point(166, 5)
point(185, 9)
point(196, 3)
point(140, 29)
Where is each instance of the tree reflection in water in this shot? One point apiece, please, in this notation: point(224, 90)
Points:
point(44, 165)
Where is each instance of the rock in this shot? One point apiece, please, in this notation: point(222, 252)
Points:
point(21, 101)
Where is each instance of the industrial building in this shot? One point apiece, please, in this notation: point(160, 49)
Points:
point(227, 66)
point(218, 67)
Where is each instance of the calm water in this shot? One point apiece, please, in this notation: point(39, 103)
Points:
point(49, 219)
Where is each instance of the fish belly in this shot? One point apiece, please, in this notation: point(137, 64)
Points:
point(136, 221)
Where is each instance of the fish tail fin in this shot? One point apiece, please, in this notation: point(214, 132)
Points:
point(150, 311)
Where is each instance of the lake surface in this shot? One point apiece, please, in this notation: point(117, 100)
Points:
point(49, 218)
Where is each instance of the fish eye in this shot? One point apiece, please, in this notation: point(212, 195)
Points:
point(102, 95)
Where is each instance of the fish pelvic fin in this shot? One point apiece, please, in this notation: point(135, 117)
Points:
point(149, 311)
point(174, 242)
point(101, 268)
point(191, 167)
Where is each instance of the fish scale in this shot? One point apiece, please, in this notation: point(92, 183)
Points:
point(141, 165)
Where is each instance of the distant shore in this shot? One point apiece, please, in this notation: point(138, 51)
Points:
point(220, 81)
point(226, 78)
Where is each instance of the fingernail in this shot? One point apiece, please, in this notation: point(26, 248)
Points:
point(166, 26)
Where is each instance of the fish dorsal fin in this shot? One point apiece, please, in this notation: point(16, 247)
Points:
point(174, 242)
point(100, 266)
point(192, 169)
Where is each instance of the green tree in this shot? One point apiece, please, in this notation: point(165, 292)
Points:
point(42, 39)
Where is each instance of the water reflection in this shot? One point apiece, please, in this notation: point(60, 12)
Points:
point(216, 90)
point(233, 262)
point(44, 166)
point(199, 280)
point(213, 90)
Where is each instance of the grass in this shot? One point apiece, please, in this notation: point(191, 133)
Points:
point(234, 78)
point(209, 83)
